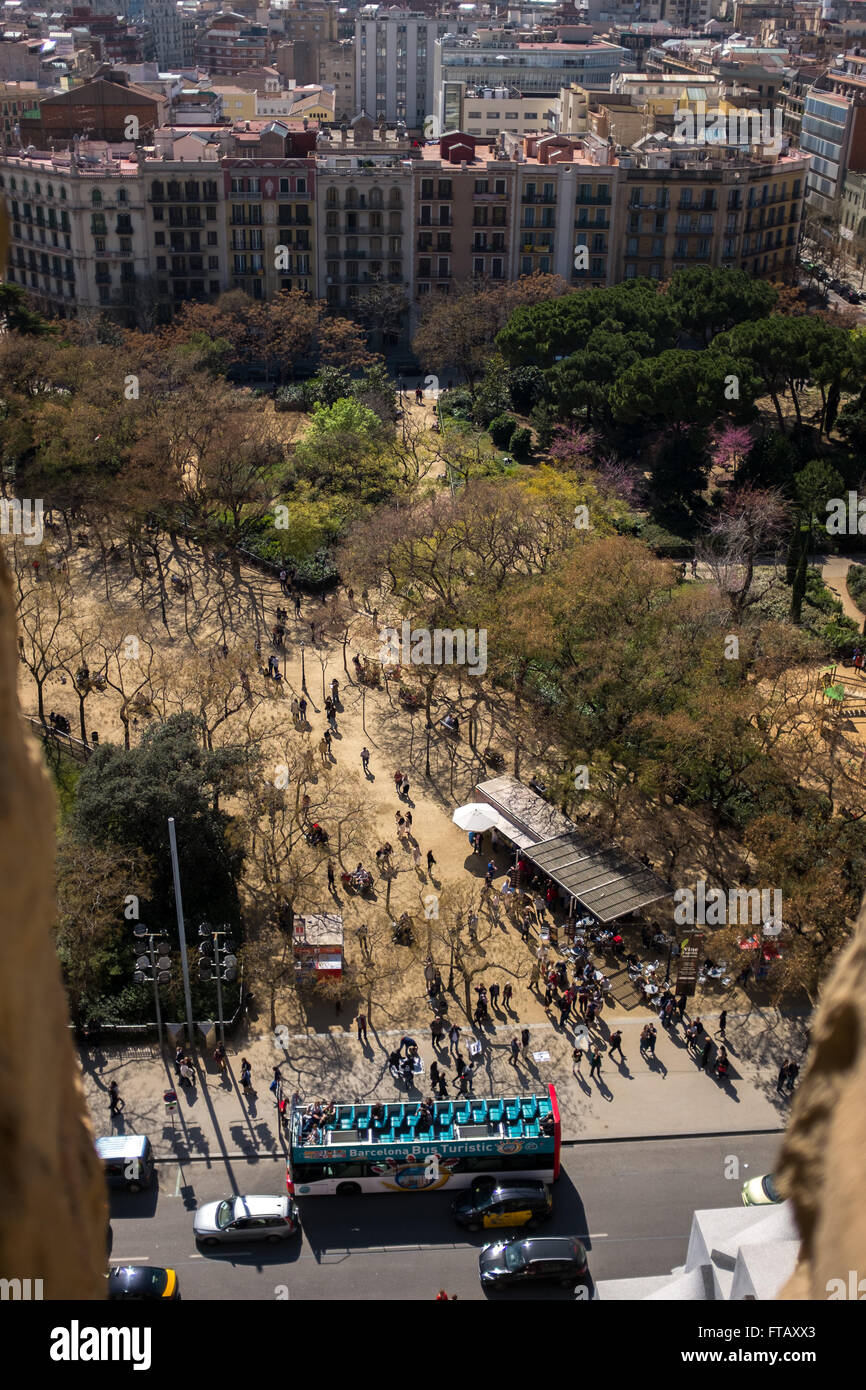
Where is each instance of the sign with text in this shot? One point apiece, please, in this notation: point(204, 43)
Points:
point(687, 965)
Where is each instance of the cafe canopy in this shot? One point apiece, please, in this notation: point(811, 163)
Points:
point(604, 879)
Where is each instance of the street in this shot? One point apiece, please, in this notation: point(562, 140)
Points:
point(631, 1204)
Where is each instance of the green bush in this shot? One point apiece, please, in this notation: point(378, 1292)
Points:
point(528, 387)
point(857, 585)
point(521, 444)
point(502, 429)
point(293, 397)
point(457, 403)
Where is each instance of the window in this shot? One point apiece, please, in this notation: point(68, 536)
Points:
point(121, 195)
point(480, 185)
point(96, 198)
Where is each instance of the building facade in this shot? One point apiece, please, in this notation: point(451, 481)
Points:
point(395, 69)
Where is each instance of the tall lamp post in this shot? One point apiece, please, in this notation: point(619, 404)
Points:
point(303, 667)
point(178, 902)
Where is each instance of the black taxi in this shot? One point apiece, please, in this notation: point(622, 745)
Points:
point(506, 1202)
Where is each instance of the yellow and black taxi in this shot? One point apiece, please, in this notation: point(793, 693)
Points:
point(509, 1202)
point(142, 1281)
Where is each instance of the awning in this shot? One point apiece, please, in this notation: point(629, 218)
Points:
point(606, 881)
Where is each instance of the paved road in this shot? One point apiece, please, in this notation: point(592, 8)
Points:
point(631, 1202)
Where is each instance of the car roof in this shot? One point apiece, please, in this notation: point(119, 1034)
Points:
point(517, 1187)
point(259, 1206)
point(551, 1247)
point(121, 1145)
point(133, 1277)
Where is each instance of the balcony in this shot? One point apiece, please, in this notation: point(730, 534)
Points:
point(538, 198)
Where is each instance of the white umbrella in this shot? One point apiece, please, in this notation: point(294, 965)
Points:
point(581, 1037)
point(475, 816)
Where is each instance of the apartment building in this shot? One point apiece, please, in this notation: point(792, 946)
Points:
point(173, 27)
point(77, 232)
point(364, 219)
point(15, 99)
point(833, 132)
point(230, 44)
point(495, 60)
point(485, 111)
point(271, 225)
point(720, 208)
point(395, 69)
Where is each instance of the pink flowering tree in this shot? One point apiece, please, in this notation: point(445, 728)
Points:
point(729, 447)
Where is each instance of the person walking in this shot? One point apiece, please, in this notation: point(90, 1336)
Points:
point(681, 1006)
point(302, 709)
point(404, 789)
point(115, 1104)
point(595, 1062)
point(722, 1063)
point(437, 1032)
point(723, 1023)
point(453, 1038)
point(365, 761)
point(398, 782)
point(705, 1054)
point(783, 1076)
point(576, 1059)
point(416, 856)
point(524, 1039)
point(793, 1071)
point(506, 996)
point(246, 1076)
point(494, 996)
point(361, 932)
point(295, 708)
point(564, 1010)
point(651, 1038)
point(430, 862)
point(515, 1052)
point(187, 1075)
point(178, 1058)
point(615, 1044)
point(361, 1022)
point(408, 819)
point(323, 749)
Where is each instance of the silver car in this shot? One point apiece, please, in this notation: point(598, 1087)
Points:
point(246, 1218)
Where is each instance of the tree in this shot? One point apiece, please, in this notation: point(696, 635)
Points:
point(42, 607)
point(125, 797)
point(708, 301)
point(544, 333)
point(457, 330)
point(342, 452)
point(752, 520)
point(681, 387)
point(17, 316)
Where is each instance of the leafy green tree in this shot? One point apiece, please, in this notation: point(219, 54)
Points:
point(543, 334)
point(343, 451)
point(708, 301)
point(680, 387)
point(125, 797)
point(17, 316)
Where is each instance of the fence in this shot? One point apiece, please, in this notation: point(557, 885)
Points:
point(75, 747)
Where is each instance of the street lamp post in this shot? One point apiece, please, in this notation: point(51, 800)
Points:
point(303, 667)
point(178, 902)
point(159, 970)
point(427, 763)
point(216, 956)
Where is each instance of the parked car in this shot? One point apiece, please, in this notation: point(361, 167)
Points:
point(142, 1281)
point(508, 1202)
point(761, 1192)
point(539, 1259)
point(246, 1218)
point(127, 1160)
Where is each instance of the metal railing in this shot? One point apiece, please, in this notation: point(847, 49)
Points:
point(76, 747)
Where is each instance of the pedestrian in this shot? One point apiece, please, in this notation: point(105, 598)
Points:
point(408, 819)
point(187, 1075)
point(723, 1023)
point(404, 789)
point(722, 1063)
point(462, 1084)
point(506, 996)
point(362, 1027)
point(178, 1058)
point(525, 926)
point(296, 600)
point(615, 1044)
point(115, 1104)
point(416, 856)
point(453, 1038)
point(327, 738)
point(295, 708)
point(219, 1056)
point(681, 1005)
point(437, 1030)
point(302, 709)
point(246, 1075)
point(564, 1011)
point(515, 1052)
point(430, 862)
point(361, 932)
point(283, 578)
point(443, 1086)
point(792, 1073)
point(705, 1053)
point(595, 1062)
point(548, 995)
point(583, 999)
point(590, 1013)
point(332, 878)
point(524, 1039)
point(576, 1058)
point(323, 749)
point(398, 781)
point(434, 1074)
point(365, 760)
point(494, 996)
point(651, 1038)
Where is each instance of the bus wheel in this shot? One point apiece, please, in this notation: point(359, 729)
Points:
point(348, 1189)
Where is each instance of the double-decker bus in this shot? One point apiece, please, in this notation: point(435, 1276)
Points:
point(404, 1150)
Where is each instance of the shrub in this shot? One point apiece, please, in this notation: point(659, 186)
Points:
point(857, 585)
point(528, 386)
point(457, 403)
point(544, 423)
point(293, 397)
point(521, 444)
point(502, 429)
